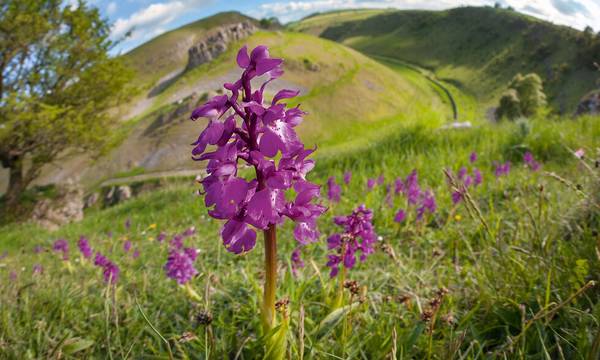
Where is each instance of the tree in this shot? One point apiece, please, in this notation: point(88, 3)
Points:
point(524, 97)
point(510, 106)
point(57, 83)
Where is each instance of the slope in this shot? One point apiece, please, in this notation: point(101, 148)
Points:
point(479, 49)
point(350, 99)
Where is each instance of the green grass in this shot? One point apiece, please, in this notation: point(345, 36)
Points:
point(479, 49)
point(538, 252)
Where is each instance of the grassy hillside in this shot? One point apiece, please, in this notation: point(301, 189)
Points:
point(503, 284)
point(348, 97)
point(479, 49)
point(168, 52)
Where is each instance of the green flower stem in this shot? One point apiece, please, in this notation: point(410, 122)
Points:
point(268, 307)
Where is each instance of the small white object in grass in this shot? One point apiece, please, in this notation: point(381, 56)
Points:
point(458, 125)
point(379, 238)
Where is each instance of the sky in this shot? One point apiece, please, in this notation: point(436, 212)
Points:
point(149, 18)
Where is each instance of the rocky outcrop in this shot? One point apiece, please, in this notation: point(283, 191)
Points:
point(589, 105)
point(66, 207)
point(216, 43)
point(117, 194)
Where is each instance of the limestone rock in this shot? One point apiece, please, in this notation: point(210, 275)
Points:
point(65, 208)
point(589, 105)
point(216, 44)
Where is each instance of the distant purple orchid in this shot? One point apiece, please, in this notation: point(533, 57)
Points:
point(477, 177)
point(266, 129)
point(161, 237)
point(473, 157)
point(62, 246)
point(127, 246)
point(36, 249)
point(358, 235)
point(427, 204)
point(334, 191)
point(467, 180)
point(400, 216)
point(529, 160)
point(191, 231)
point(110, 271)
point(12, 276)
point(501, 169)
point(347, 177)
point(296, 260)
point(398, 186)
point(84, 247)
point(371, 183)
point(380, 179)
point(38, 269)
point(136, 253)
point(128, 224)
point(180, 266)
point(462, 173)
point(176, 242)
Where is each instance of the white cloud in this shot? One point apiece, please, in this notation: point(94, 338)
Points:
point(154, 17)
point(111, 8)
point(575, 13)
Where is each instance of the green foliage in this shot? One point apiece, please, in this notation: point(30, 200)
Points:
point(57, 84)
point(496, 282)
point(509, 106)
point(524, 97)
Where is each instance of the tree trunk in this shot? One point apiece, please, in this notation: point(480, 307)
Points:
point(16, 184)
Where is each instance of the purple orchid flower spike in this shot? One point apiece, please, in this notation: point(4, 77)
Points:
point(347, 177)
point(358, 237)
point(400, 216)
point(243, 127)
point(296, 260)
point(62, 246)
point(180, 266)
point(110, 271)
point(84, 247)
point(529, 160)
point(334, 191)
point(473, 157)
point(371, 183)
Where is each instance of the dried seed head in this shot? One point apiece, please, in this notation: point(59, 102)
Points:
point(204, 317)
point(187, 337)
point(352, 286)
point(404, 299)
point(281, 305)
point(426, 315)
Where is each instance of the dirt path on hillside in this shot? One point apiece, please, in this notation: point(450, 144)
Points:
point(426, 74)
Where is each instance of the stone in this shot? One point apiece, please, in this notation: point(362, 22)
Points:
point(589, 104)
point(117, 194)
point(216, 43)
point(65, 208)
point(91, 200)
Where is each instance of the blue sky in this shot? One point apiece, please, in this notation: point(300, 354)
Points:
point(149, 18)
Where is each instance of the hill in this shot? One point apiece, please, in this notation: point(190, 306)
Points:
point(348, 97)
point(479, 49)
point(168, 52)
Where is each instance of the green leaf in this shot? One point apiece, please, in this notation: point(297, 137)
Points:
point(76, 345)
point(412, 339)
point(332, 320)
point(276, 342)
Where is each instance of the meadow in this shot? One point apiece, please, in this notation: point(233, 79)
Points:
point(507, 272)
